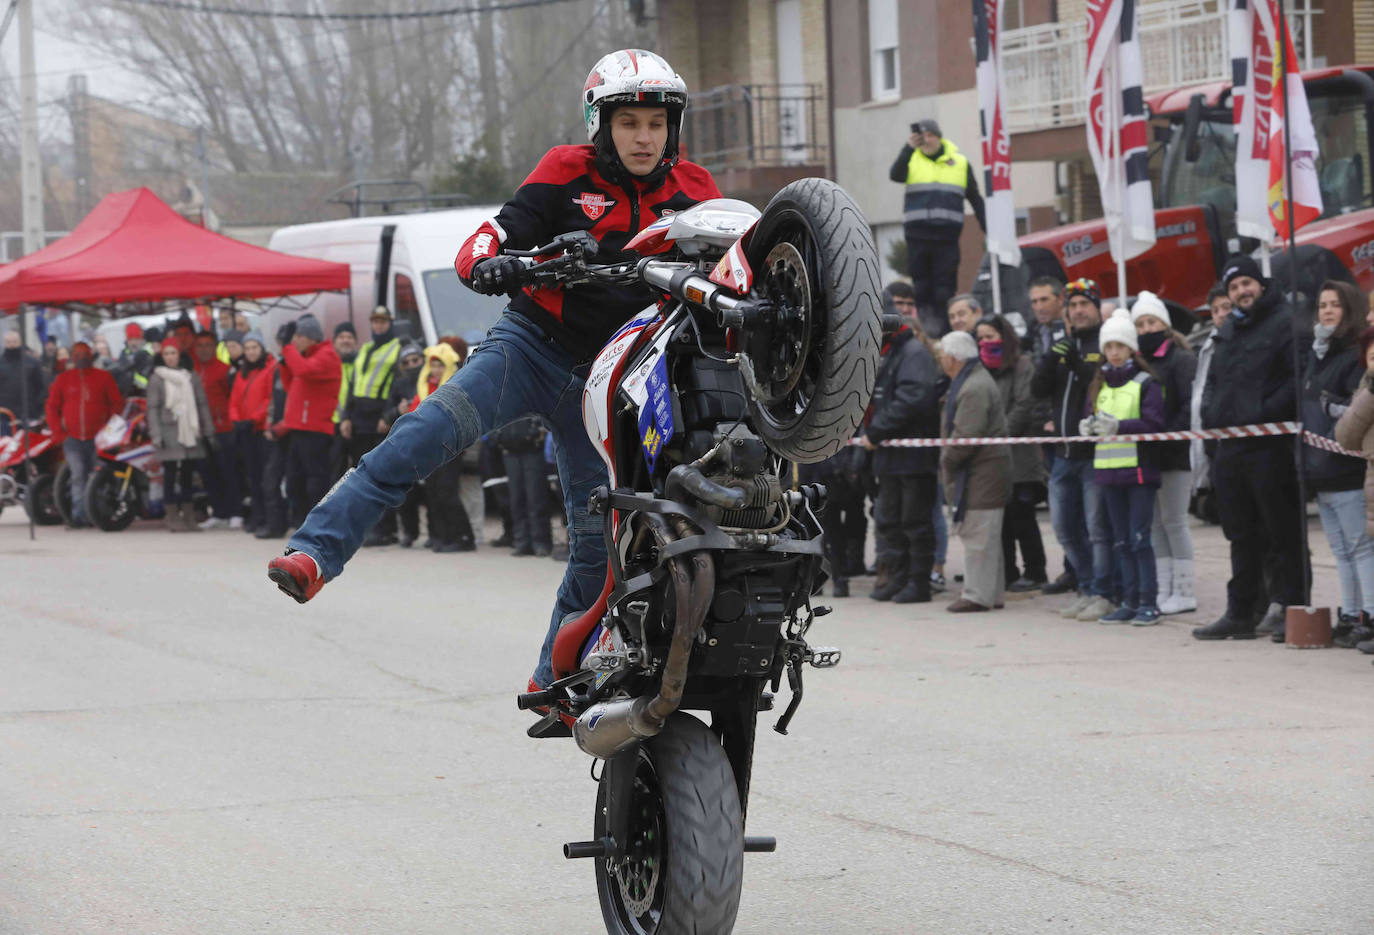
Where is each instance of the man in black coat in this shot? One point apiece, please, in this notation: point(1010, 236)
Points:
point(18, 367)
point(905, 405)
point(1250, 380)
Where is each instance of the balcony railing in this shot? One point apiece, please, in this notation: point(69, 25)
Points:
point(751, 125)
point(1182, 42)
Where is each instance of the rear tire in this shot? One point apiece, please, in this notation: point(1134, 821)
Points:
point(684, 865)
point(40, 501)
point(830, 360)
point(104, 505)
point(62, 493)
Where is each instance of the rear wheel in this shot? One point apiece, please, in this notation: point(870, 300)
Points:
point(684, 859)
point(62, 493)
point(111, 504)
point(40, 501)
point(813, 370)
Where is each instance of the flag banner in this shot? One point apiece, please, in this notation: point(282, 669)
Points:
point(1252, 77)
point(1001, 205)
point(1306, 192)
point(1118, 140)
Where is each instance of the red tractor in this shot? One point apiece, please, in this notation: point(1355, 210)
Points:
point(1196, 198)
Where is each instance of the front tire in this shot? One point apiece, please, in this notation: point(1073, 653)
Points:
point(684, 862)
point(62, 493)
point(108, 507)
point(812, 252)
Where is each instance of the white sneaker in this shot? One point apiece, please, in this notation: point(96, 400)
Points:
point(236, 522)
point(1178, 604)
point(1096, 609)
point(1075, 606)
point(214, 522)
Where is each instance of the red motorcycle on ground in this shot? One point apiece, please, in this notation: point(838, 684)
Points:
point(127, 481)
point(32, 472)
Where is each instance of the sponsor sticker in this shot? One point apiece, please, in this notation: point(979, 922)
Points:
point(656, 415)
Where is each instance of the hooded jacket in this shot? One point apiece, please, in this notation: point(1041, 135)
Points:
point(80, 402)
point(251, 395)
point(312, 387)
point(1337, 374)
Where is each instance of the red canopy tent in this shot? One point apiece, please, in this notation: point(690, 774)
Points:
point(133, 247)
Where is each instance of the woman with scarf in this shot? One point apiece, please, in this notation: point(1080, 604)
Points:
point(1175, 364)
point(181, 428)
point(1330, 377)
point(999, 349)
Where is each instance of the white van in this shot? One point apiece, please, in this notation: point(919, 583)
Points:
point(402, 261)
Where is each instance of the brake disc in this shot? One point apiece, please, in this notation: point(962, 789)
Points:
point(789, 289)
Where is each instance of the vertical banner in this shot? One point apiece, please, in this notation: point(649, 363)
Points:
point(1001, 206)
point(1252, 87)
point(1117, 135)
point(1305, 187)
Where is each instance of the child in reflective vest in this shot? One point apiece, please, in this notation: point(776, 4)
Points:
point(1125, 398)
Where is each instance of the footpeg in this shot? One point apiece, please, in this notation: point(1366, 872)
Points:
point(598, 848)
point(823, 657)
point(759, 844)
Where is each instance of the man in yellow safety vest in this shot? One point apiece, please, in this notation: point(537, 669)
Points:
point(937, 178)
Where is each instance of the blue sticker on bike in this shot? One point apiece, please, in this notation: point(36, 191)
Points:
point(656, 415)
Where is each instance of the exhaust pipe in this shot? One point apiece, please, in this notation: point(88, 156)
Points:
point(609, 728)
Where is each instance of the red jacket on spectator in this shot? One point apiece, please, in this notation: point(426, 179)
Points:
point(214, 376)
point(312, 387)
point(80, 402)
point(251, 394)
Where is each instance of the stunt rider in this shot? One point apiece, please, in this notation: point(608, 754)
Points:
point(537, 356)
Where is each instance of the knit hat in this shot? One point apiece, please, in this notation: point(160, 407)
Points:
point(959, 345)
point(345, 327)
point(1241, 265)
point(232, 335)
point(411, 348)
point(308, 326)
point(1118, 328)
point(928, 125)
point(132, 330)
point(1086, 288)
point(1147, 303)
point(154, 335)
point(254, 335)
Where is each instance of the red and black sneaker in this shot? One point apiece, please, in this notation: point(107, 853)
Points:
point(296, 574)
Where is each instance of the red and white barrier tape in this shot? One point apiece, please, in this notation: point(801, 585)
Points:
point(1259, 430)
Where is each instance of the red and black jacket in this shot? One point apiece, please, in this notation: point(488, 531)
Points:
point(566, 192)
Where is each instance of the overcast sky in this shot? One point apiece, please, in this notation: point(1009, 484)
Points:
point(58, 58)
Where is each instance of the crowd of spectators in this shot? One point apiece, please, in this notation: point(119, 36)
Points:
point(1119, 508)
point(251, 440)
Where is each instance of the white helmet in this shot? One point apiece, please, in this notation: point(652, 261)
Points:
point(633, 77)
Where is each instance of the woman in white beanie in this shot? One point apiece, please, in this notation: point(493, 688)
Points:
point(1174, 364)
point(1125, 398)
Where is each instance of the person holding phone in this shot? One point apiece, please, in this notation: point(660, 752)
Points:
point(937, 178)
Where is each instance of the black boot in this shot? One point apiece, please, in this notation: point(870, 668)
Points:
point(890, 581)
point(839, 587)
point(853, 561)
point(1063, 584)
point(1272, 621)
point(917, 587)
point(1227, 626)
point(1356, 634)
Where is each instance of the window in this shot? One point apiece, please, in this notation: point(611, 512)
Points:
point(884, 62)
point(404, 306)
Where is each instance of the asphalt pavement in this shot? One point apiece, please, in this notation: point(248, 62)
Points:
point(184, 750)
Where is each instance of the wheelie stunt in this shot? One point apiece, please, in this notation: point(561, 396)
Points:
point(679, 346)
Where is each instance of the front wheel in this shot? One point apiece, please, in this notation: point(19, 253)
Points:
point(684, 857)
point(62, 493)
point(111, 504)
point(814, 368)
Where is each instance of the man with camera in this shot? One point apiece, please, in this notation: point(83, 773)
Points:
point(938, 178)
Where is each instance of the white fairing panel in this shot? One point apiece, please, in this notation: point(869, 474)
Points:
point(598, 398)
point(716, 223)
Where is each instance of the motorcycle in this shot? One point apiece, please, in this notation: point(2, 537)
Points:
point(762, 350)
point(127, 481)
point(30, 468)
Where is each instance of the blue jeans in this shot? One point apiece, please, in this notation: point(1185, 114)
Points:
point(81, 462)
point(1131, 509)
point(1342, 513)
point(1080, 524)
point(516, 371)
